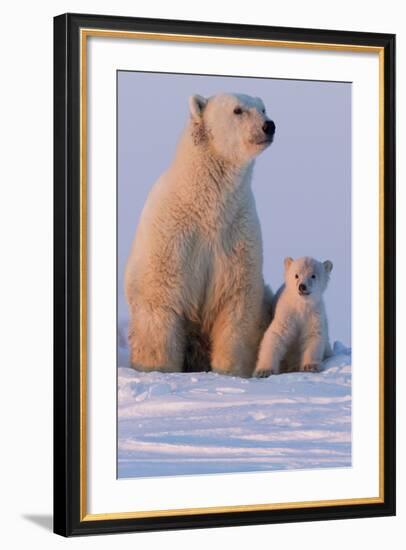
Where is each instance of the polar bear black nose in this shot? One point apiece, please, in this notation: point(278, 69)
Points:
point(302, 287)
point(269, 127)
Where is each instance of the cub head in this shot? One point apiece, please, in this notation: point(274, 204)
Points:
point(306, 277)
point(235, 126)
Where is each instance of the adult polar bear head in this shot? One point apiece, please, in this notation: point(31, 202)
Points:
point(235, 126)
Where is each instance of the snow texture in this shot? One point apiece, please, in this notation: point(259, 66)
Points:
point(204, 423)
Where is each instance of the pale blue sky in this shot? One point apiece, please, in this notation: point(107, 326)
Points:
point(302, 183)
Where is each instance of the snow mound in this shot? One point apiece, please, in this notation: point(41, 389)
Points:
point(200, 423)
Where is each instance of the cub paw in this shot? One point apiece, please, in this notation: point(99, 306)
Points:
point(310, 367)
point(263, 373)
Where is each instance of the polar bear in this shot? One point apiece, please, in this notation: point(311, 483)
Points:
point(194, 273)
point(297, 338)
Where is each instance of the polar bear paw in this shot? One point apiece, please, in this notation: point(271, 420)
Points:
point(310, 367)
point(262, 373)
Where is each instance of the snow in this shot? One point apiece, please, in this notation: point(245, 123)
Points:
point(201, 423)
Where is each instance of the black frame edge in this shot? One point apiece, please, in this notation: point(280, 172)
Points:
point(232, 519)
point(215, 28)
point(390, 274)
point(67, 276)
point(60, 472)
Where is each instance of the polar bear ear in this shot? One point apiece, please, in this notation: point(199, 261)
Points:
point(287, 262)
point(328, 266)
point(197, 103)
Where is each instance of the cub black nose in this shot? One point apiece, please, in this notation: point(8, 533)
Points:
point(302, 287)
point(269, 127)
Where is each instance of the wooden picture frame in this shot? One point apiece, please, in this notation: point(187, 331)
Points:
point(71, 203)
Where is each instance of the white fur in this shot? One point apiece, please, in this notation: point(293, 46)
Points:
point(196, 261)
point(297, 338)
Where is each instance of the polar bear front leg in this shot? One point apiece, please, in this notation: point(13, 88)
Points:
point(234, 345)
point(271, 352)
point(313, 354)
point(156, 338)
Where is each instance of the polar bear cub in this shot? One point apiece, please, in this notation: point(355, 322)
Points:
point(297, 338)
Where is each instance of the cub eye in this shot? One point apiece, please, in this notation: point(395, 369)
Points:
point(238, 111)
point(313, 276)
point(263, 110)
point(296, 276)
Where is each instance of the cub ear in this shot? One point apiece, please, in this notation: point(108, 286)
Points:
point(287, 262)
point(197, 103)
point(328, 266)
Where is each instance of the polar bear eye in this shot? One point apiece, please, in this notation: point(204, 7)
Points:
point(296, 276)
point(313, 276)
point(238, 111)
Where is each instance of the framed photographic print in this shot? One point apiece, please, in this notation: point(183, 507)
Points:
point(224, 274)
